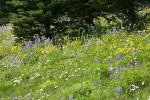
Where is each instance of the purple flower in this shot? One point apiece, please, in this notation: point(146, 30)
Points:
point(117, 76)
point(96, 60)
point(122, 68)
point(12, 58)
point(118, 57)
point(62, 98)
point(114, 28)
point(73, 90)
point(145, 25)
point(136, 63)
point(15, 98)
point(28, 98)
point(122, 17)
point(117, 73)
point(38, 40)
point(108, 91)
point(30, 43)
point(88, 44)
point(52, 41)
point(43, 38)
point(95, 83)
point(118, 89)
point(13, 76)
point(71, 97)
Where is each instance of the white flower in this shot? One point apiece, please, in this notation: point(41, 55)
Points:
point(72, 74)
point(56, 87)
point(48, 60)
point(78, 68)
point(41, 90)
point(148, 98)
point(32, 78)
point(36, 74)
point(66, 72)
point(143, 83)
point(111, 69)
point(66, 79)
point(60, 77)
point(134, 87)
point(75, 71)
point(17, 81)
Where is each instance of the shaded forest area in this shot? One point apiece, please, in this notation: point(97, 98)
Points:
point(56, 18)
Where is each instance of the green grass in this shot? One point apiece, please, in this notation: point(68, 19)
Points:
point(114, 67)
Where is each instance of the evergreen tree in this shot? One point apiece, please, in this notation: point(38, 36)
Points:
point(56, 17)
point(4, 13)
point(35, 17)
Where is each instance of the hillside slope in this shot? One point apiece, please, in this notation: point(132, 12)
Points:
point(114, 67)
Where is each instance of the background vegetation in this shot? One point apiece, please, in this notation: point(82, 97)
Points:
point(56, 18)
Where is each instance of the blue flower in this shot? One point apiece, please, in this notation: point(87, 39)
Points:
point(43, 38)
point(71, 97)
point(136, 63)
point(73, 90)
point(62, 98)
point(118, 57)
point(114, 28)
point(118, 89)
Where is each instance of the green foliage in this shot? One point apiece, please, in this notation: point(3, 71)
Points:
point(79, 91)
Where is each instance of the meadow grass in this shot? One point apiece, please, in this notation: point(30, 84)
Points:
point(113, 67)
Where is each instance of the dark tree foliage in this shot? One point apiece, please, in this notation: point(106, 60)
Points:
point(129, 8)
point(6, 8)
point(57, 17)
point(85, 11)
point(4, 12)
point(35, 17)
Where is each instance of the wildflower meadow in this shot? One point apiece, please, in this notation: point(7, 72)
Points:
point(113, 67)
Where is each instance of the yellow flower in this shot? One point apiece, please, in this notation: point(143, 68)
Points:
point(130, 39)
point(47, 50)
point(148, 46)
point(15, 48)
point(123, 50)
point(42, 51)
